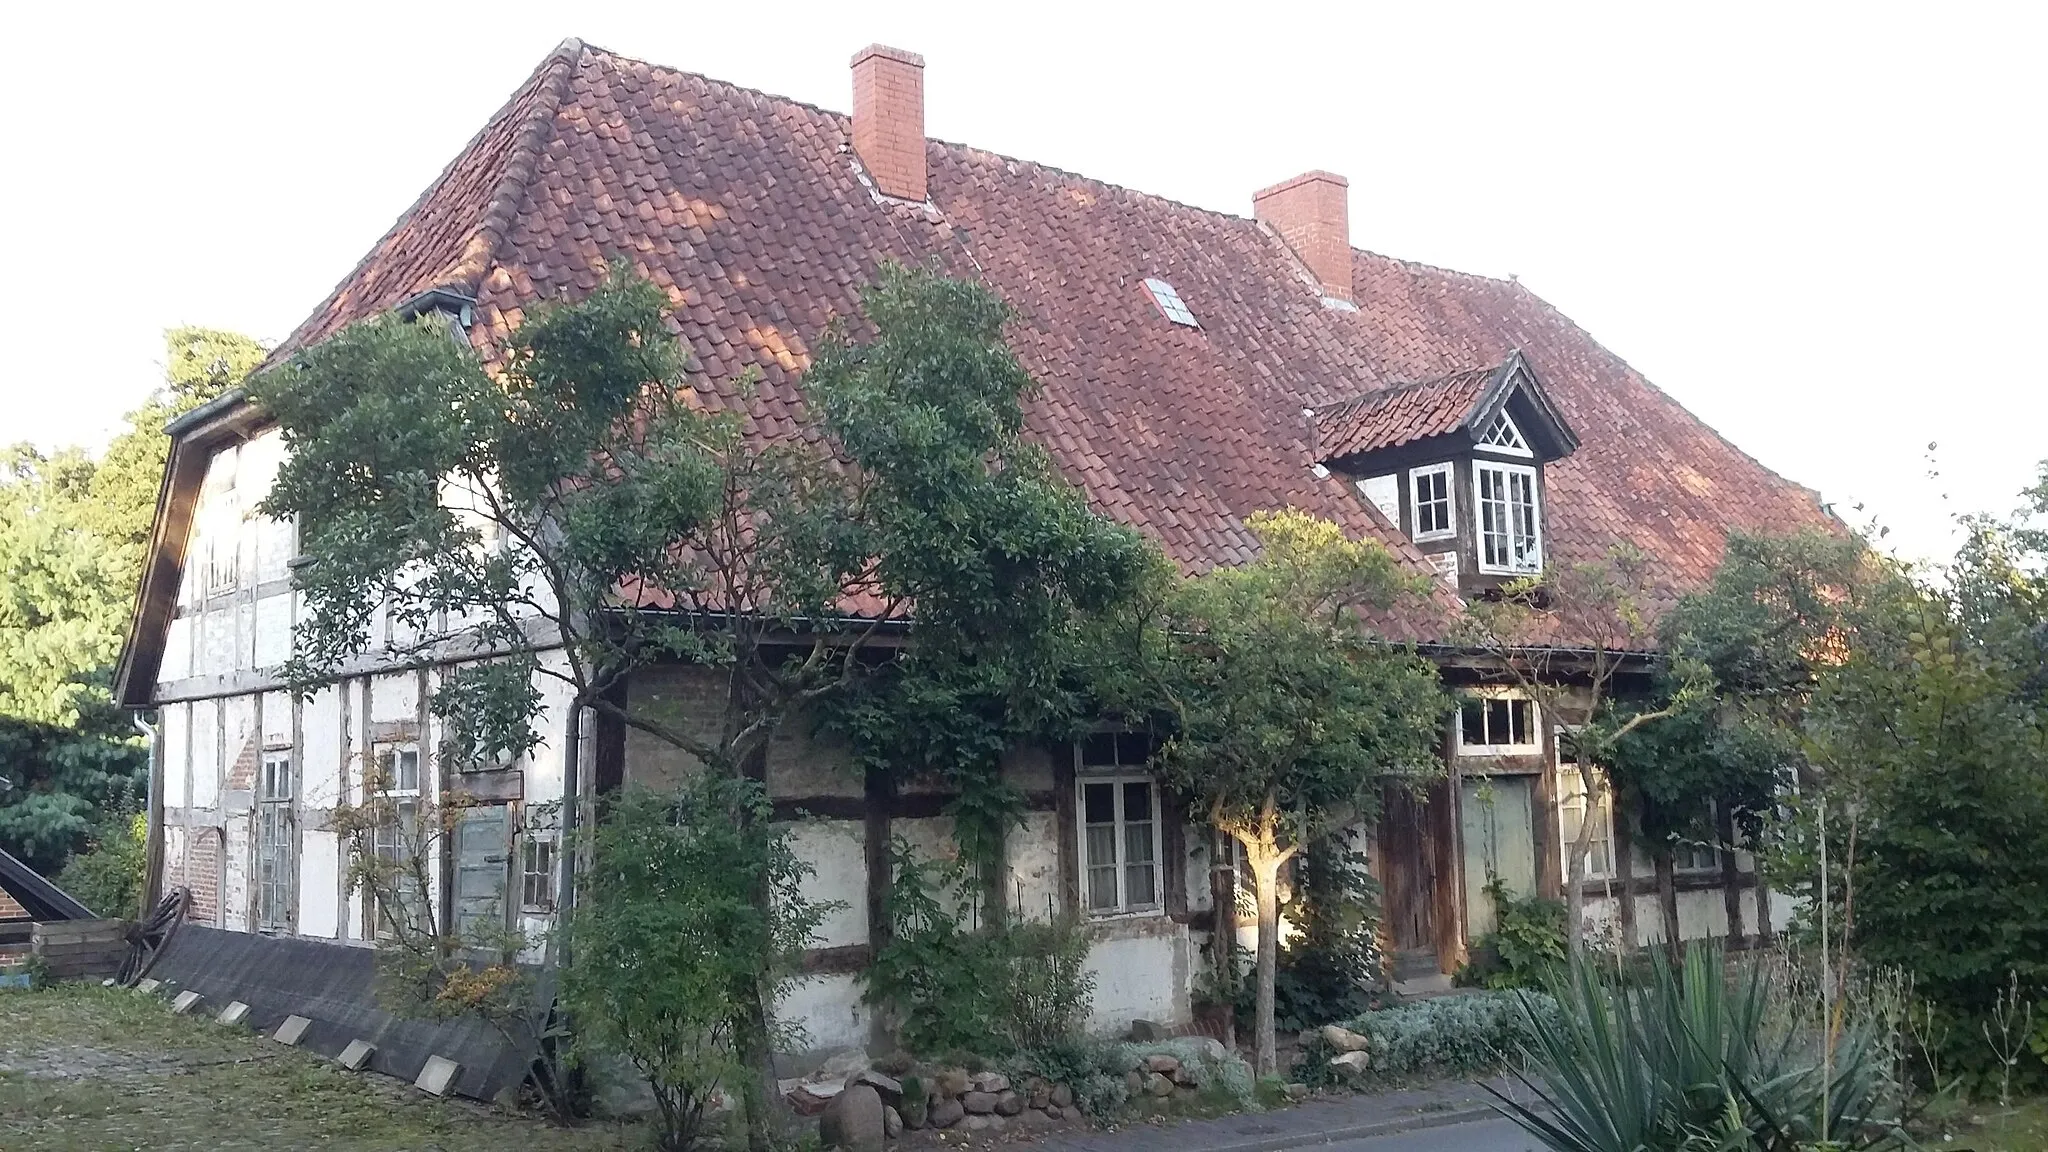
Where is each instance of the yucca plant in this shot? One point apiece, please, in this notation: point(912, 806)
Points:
point(1687, 1059)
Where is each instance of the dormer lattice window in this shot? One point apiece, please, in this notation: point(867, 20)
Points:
point(1503, 436)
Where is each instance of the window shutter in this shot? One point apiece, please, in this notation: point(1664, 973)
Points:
point(482, 851)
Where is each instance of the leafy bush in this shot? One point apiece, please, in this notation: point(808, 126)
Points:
point(996, 988)
point(1526, 948)
point(1095, 1070)
point(108, 877)
point(686, 899)
point(1690, 1060)
point(1329, 968)
point(1448, 1036)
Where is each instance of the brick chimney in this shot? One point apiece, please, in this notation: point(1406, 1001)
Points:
point(888, 119)
point(1311, 213)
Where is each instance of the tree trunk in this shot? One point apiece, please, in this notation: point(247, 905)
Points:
point(1667, 898)
point(1223, 936)
point(1265, 865)
point(1575, 869)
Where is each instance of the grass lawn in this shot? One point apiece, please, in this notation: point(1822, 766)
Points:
point(82, 1067)
point(1986, 1127)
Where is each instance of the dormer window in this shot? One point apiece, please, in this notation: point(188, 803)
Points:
point(1503, 437)
point(1510, 532)
point(1435, 508)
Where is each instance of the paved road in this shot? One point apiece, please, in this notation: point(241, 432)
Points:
point(1478, 1136)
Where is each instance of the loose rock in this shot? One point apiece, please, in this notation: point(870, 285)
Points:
point(976, 1123)
point(892, 1123)
point(1134, 1080)
point(1158, 1084)
point(1161, 1062)
point(1352, 1062)
point(889, 1087)
point(853, 1120)
point(1009, 1104)
point(841, 1065)
point(945, 1113)
point(1146, 1031)
point(951, 1081)
point(991, 1082)
point(979, 1103)
point(1344, 1039)
point(1062, 1096)
point(1297, 1092)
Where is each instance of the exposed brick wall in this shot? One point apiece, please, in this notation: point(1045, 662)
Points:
point(198, 868)
point(888, 119)
point(10, 908)
point(242, 773)
point(1312, 213)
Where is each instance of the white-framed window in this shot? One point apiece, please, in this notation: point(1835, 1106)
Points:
point(395, 840)
point(1571, 817)
point(1503, 437)
point(1117, 806)
point(1170, 303)
point(1510, 523)
point(537, 872)
point(276, 850)
point(1434, 507)
point(1385, 494)
point(1698, 855)
point(1498, 724)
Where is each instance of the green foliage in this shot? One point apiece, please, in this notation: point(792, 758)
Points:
point(670, 950)
point(72, 534)
point(1095, 1070)
point(998, 988)
point(1330, 966)
point(107, 877)
point(1526, 948)
point(1690, 1060)
point(1448, 1036)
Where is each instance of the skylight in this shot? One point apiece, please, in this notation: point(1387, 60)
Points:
point(1169, 302)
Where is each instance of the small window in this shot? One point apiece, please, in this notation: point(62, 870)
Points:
point(1170, 303)
point(398, 770)
point(1697, 855)
point(276, 846)
point(1434, 508)
point(1119, 818)
point(537, 873)
point(1497, 725)
point(1510, 523)
point(1502, 436)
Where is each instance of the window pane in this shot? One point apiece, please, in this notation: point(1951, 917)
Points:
point(1137, 802)
point(1098, 803)
point(408, 770)
point(1473, 714)
point(1522, 730)
point(1498, 724)
point(1098, 748)
point(1138, 843)
point(1133, 748)
point(1102, 889)
point(1138, 886)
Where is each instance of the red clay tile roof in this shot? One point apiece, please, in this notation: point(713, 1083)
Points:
point(1400, 415)
point(752, 211)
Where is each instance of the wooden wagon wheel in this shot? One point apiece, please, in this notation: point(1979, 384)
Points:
point(148, 938)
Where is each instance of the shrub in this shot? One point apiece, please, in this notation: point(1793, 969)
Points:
point(998, 988)
point(1095, 1070)
point(108, 877)
point(1526, 948)
point(1449, 1036)
point(671, 945)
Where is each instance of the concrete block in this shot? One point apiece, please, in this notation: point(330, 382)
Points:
point(356, 1055)
point(148, 984)
point(186, 1002)
point(235, 1014)
point(438, 1076)
point(292, 1030)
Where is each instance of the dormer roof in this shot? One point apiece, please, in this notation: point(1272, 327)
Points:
point(1460, 410)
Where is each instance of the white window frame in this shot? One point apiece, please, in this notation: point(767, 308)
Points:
point(276, 841)
point(1117, 776)
point(406, 804)
point(1519, 448)
point(1448, 471)
point(1534, 744)
point(533, 841)
point(1686, 854)
point(1480, 468)
point(1571, 798)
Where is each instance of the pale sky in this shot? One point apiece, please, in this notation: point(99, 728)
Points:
point(1819, 226)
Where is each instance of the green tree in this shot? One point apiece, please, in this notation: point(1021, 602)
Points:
point(1287, 713)
point(73, 531)
point(578, 511)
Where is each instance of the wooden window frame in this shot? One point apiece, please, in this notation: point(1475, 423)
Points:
point(1507, 506)
point(1448, 502)
point(1533, 747)
point(277, 871)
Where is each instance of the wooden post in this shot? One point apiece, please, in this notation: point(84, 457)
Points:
point(1667, 897)
point(1624, 872)
point(1731, 877)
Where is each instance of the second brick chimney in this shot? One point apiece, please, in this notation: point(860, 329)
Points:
point(888, 119)
point(1311, 213)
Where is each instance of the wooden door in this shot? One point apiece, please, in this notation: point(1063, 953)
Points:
point(1407, 871)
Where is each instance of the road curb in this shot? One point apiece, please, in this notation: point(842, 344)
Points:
point(1279, 1142)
